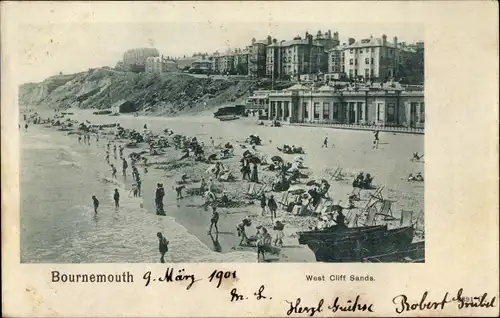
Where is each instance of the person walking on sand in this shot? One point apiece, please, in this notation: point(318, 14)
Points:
point(163, 246)
point(96, 203)
point(26, 127)
point(116, 197)
point(214, 220)
point(113, 171)
point(139, 183)
point(79, 138)
point(325, 143)
point(203, 186)
point(178, 190)
point(376, 140)
point(278, 230)
point(254, 177)
point(107, 156)
point(271, 203)
point(263, 203)
point(108, 146)
point(114, 151)
point(124, 167)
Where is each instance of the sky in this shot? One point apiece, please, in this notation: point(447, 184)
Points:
point(47, 47)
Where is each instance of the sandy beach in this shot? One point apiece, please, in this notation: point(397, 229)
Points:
point(352, 151)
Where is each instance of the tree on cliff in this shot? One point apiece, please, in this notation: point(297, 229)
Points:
point(411, 67)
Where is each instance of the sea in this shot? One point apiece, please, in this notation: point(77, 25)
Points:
point(58, 177)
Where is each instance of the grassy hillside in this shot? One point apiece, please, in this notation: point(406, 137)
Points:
point(165, 94)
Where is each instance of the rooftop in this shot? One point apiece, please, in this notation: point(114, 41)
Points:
point(372, 42)
point(292, 42)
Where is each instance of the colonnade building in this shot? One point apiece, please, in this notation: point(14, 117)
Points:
point(364, 106)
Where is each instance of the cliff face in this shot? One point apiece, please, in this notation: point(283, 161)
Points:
point(167, 94)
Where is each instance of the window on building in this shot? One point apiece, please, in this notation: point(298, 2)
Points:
point(360, 111)
point(336, 107)
point(391, 112)
point(326, 110)
point(367, 73)
point(351, 73)
point(379, 111)
point(371, 60)
point(422, 112)
point(361, 51)
point(306, 110)
point(367, 60)
point(316, 110)
point(371, 73)
point(351, 61)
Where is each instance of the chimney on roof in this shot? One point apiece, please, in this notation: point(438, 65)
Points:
point(309, 39)
point(351, 41)
point(395, 41)
point(384, 40)
point(329, 34)
point(336, 36)
point(269, 40)
point(307, 35)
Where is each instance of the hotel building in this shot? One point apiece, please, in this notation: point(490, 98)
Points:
point(135, 59)
point(369, 59)
point(290, 59)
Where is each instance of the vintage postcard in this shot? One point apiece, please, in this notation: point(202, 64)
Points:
point(300, 159)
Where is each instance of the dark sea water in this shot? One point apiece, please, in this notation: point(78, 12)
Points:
point(58, 225)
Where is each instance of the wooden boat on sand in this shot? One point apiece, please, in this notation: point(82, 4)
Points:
point(227, 117)
point(356, 244)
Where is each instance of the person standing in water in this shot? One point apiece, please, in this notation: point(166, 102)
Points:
point(160, 193)
point(116, 197)
point(325, 143)
point(163, 246)
point(113, 171)
point(138, 182)
point(96, 203)
point(124, 167)
point(214, 220)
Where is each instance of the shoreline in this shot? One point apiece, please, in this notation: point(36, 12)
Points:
point(187, 212)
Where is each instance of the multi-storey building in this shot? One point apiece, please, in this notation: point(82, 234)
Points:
point(257, 57)
point(371, 59)
point(290, 59)
point(201, 66)
point(391, 106)
point(155, 65)
point(327, 40)
point(336, 58)
point(240, 61)
point(226, 63)
point(135, 59)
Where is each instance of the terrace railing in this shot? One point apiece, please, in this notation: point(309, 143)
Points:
point(389, 128)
